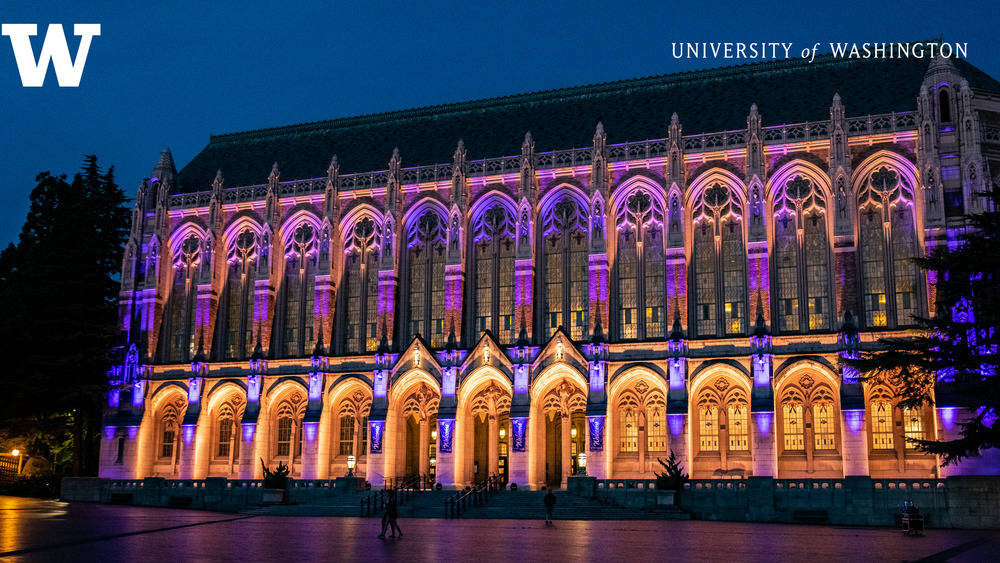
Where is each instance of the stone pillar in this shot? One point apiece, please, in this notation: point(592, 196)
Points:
point(494, 468)
point(445, 455)
point(185, 463)
point(248, 435)
point(518, 458)
point(310, 449)
point(763, 446)
point(425, 444)
point(596, 459)
point(564, 445)
point(854, 424)
point(677, 424)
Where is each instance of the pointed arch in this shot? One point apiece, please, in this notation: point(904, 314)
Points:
point(563, 242)
point(425, 227)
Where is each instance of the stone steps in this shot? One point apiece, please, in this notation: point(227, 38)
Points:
point(528, 505)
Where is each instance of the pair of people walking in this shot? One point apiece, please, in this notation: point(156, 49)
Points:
point(390, 516)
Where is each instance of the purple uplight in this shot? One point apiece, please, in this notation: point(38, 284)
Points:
point(855, 419)
point(677, 373)
point(138, 393)
point(764, 420)
point(248, 430)
point(521, 378)
point(596, 376)
point(315, 386)
point(309, 429)
point(132, 431)
point(109, 432)
point(114, 398)
point(676, 424)
point(948, 417)
point(187, 431)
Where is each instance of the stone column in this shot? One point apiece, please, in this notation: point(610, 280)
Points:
point(764, 459)
point(494, 468)
point(518, 458)
point(564, 442)
point(310, 447)
point(425, 443)
point(854, 424)
point(247, 439)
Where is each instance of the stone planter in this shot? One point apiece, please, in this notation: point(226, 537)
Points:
point(272, 496)
point(665, 498)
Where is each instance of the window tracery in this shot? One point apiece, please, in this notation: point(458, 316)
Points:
point(360, 287)
point(493, 232)
point(719, 263)
point(640, 267)
point(567, 299)
point(242, 258)
point(299, 290)
point(427, 239)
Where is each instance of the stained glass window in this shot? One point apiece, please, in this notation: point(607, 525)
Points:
point(708, 429)
point(225, 437)
point(629, 432)
point(913, 425)
point(300, 291)
point(182, 301)
point(823, 426)
point(654, 271)
point(284, 437)
point(628, 323)
point(882, 425)
point(493, 236)
point(787, 268)
point(793, 427)
point(426, 238)
point(566, 269)
point(905, 271)
point(734, 277)
point(346, 435)
point(873, 268)
point(656, 430)
point(704, 274)
point(817, 256)
point(739, 428)
point(239, 296)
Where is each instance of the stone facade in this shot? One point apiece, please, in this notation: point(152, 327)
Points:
point(693, 293)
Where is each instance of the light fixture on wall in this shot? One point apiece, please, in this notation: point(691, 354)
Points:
point(351, 462)
point(572, 433)
point(434, 435)
point(581, 461)
point(503, 433)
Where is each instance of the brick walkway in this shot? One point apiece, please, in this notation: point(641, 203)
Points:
point(36, 530)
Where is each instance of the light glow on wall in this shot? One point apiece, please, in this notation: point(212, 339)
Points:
point(676, 423)
point(114, 398)
point(187, 431)
point(855, 419)
point(132, 431)
point(109, 433)
point(948, 417)
point(310, 429)
point(315, 386)
point(677, 373)
point(521, 378)
point(138, 392)
point(248, 430)
point(253, 388)
point(764, 419)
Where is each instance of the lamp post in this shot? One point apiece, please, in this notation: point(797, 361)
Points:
point(351, 461)
point(581, 461)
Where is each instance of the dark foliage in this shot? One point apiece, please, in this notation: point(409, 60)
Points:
point(957, 345)
point(59, 285)
point(673, 476)
point(277, 479)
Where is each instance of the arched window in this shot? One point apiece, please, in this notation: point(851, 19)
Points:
point(299, 291)
point(881, 410)
point(913, 425)
point(629, 432)
point(708, 429)
point(493, 252)
point(168, 432)
point(239, 296)
point(353, 420)
point(426, 261)
point(886, 199)
point(180, 331)
point(565, 240)
point(823, 426)
point(719, 269)
point(793, 427)
point(288, 428)
point(285, 427)
point(801, 257)
point(739, 427)
point(360, 289)
point(904, 271)
point(225, 441)
point(944, 106)
point(640, 268)
point(168, 440)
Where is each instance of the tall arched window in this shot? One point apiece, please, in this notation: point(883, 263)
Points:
point(353, 422)
point(640, 268)
point(426, 261)
point(708, 426)
point(881, 414)
point(642, 419)
point(739, 427)
point(227, 437)
point(944, 106)
point(629, 432)
point(801, 257)
point(719, 267)
point(239, 295)
point(723, 419)
point(168, 431)
point(299, 291)
point(886, 266)
point(566, 268)
point(793, 427)
point(360, 289)
point(493, 251)
point(288, 428)
point(180, 330)
point(808, 417)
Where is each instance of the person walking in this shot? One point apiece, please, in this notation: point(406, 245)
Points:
point(550, 505)
point(390, 516)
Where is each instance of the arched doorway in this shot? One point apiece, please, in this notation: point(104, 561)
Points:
point(563, 431)
point(419, 432)
point(490, 418)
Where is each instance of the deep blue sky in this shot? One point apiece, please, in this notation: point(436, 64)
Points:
point(169, 75)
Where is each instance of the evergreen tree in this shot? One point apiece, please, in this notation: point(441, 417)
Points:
point(59, 285)
point(952, 356)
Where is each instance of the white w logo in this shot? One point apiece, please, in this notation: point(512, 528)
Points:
point(68, 71)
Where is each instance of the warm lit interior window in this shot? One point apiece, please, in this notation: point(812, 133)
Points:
point(793, 428)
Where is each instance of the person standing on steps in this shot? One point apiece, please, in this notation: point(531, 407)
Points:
point(390, 516)
point(550, 505)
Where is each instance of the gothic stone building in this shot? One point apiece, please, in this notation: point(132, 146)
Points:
point(675, 263)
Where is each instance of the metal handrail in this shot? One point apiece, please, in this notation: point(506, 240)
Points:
point(460, 501)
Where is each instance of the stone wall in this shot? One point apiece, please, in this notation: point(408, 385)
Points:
point(953, 502)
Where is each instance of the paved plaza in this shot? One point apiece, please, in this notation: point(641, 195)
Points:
point(37, 530)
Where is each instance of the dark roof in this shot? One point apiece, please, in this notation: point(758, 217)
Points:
point(789, 91)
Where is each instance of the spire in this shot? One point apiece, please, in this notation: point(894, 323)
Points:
point(218, 181)
point(200, 356)
point(332, 196)
point(164, 169)
point(677, 331)
point(760, 325)
point(527, 181)
point(320, 348)
point(275, 174)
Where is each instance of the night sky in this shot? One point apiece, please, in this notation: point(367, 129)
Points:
point(168, 76)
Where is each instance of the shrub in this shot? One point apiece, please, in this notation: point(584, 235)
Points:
point(277, 479)
point(673, 476)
